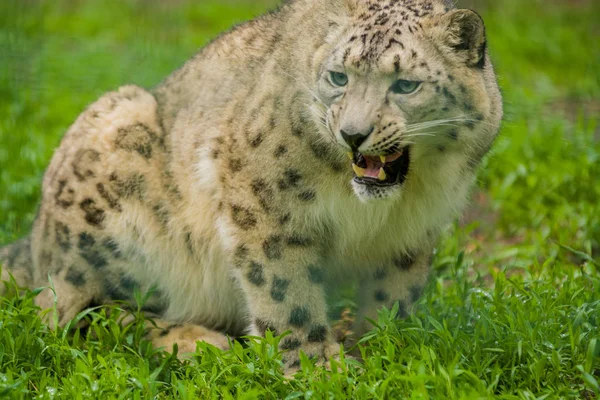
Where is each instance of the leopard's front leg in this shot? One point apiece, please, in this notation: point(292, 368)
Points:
point(284, 291)
point(401, 280)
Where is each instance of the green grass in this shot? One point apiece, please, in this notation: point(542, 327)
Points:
point(514, 312)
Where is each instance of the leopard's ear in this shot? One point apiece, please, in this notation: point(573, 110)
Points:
point(463, 31)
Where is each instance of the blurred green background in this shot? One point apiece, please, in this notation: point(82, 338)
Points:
point(512, 312)
point(58, 56)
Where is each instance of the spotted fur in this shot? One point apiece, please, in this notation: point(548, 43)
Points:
point(225, 192)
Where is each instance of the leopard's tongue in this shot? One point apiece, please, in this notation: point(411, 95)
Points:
point(375, 163)
point(374, 167)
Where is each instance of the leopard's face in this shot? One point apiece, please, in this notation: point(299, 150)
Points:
point(390, 97)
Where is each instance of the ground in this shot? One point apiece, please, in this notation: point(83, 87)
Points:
point(514, 311)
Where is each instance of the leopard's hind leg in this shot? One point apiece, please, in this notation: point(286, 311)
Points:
point(164, 334)
point(15, 261)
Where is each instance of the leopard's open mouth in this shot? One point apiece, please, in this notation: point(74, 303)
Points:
point(381, 170)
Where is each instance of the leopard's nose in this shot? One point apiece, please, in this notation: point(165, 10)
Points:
point(355, 137)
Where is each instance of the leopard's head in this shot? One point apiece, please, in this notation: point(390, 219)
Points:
point(404, 84)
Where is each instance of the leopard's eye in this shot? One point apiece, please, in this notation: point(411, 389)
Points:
point(402, 86)
point(338, 78)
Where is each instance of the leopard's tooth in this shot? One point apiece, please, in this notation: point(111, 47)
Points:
point(350, 155)
point(382, 158)
point(382, 175)
point(360, 172)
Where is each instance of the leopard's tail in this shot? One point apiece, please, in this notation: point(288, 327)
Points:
point(16, 261)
